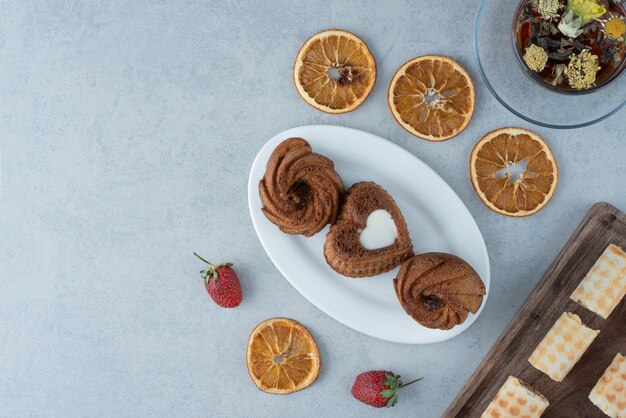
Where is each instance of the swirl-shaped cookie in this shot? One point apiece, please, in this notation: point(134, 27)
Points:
point(300, 191)
point(438, 290)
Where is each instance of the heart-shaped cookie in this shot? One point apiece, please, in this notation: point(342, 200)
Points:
point(360, 243)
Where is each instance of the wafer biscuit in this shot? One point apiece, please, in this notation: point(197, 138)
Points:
point(609, 394)
point(516, 399)
point(562, 347)
point(604, 286)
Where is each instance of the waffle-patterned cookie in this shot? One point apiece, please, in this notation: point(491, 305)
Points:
point(516, 399)
point(604, 286)
point(609, 394)
point(562, 347)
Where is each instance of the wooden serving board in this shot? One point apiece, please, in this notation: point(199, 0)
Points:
point(603, 224)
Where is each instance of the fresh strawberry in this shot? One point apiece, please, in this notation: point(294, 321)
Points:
point(378, 388)
point(222, 284)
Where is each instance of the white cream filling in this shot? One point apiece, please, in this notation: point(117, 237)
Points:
point(380, 230)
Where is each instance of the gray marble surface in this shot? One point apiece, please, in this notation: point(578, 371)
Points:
point(127, 132)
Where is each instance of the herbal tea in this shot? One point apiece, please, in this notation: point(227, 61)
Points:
point(572, 45)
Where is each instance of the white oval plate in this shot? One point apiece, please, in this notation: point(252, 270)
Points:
point(436, 217)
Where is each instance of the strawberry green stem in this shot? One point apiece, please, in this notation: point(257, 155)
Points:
point(211, 265)
point(411, 382)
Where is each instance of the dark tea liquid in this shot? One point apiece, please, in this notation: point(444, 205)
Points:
point(531, 28)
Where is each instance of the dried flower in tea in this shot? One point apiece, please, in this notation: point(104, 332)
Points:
point(572, 45)
point(536, 58)
point(581, 70)
point(558, 74)
point(615, 28)
point(586, 9)
point(578, 14)
point(571, 25)
point(548, 9)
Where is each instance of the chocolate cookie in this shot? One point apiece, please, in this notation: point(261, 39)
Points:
point(300, 191)
point(438, 290)
point(343, 249)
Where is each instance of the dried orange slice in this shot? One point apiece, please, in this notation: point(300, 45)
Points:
point(334, 71)
point(432, 97)
point(282, 356)
point(493, 163)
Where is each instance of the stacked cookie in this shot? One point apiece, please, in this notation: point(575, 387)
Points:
point(567, 341)
point(301, 193)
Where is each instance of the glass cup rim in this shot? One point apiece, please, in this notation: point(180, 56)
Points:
point(491, 89)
